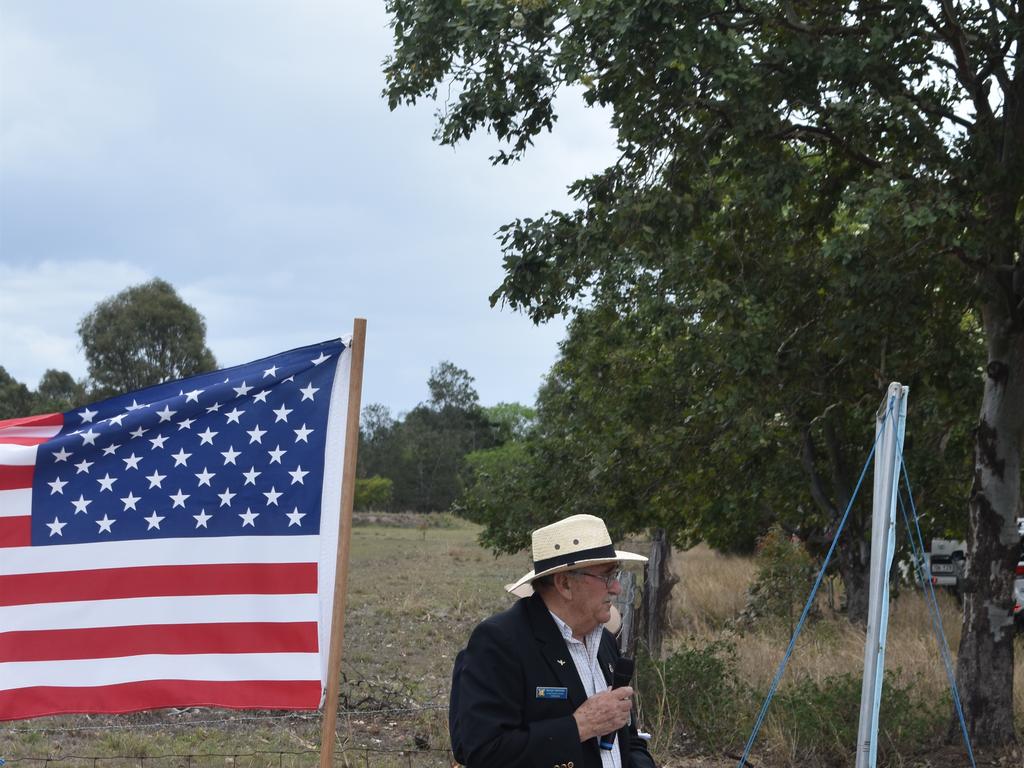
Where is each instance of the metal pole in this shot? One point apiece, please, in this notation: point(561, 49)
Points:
point(890, 425)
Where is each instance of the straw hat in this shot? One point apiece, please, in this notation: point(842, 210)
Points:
point(571, 543)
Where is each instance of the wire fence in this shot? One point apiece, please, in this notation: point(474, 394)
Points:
point(26, 745)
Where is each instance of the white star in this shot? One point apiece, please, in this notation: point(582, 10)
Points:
point(181, 458)
point(89, 438)
point(185, 424)
point(137, 433)
point(135, 405)
point(226, 497)
point(179, 499)
point(105, 524)
point(295, 517)
point(308, 391)
point(212, 408)
point(250, 476)
point(233, 415)
point(130, 501)
point(57, 486)
point(297, 474)
point(243, 390)
point(321, 359)
point(256, 435)
point(154, 521)
point(158, 441)
point(276, 454)
point(272, 496)
point(261, 396)
point(117, 419)
point(155, 479)
point(107, 482)
point(271, 372)
point(201, 519)
point(165, 414)
point(282, 414)
point(205, 476)
point(81, 504)
point(206, 438)
point(249, 518)
point(230, 455)
point(62, 454)
point(193, 396)
point(83, 466)
point(302, 433)
point(290, 378)
point(110, 449)
point(132, 462)
point(56, 527)
point(87, 415)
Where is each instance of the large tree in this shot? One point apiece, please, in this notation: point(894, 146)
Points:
point(144, 335)
point(837, 120)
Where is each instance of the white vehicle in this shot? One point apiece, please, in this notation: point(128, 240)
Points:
point(946, 562)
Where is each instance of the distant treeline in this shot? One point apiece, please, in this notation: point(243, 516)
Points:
point(417, 461)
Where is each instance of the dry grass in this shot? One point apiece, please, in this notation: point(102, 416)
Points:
point(713, 591)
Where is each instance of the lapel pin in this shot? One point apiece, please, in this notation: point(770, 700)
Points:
point(560, 661)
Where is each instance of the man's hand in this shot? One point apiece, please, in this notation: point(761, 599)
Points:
point(604, 712)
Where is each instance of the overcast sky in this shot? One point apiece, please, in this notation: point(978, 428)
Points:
point(241, 150)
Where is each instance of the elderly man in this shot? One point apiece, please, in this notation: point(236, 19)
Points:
point(533, 686)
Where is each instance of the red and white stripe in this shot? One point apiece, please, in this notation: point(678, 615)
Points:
point(240, 622)
point(18, 441)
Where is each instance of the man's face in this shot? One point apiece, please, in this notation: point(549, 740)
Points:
point(592, 596)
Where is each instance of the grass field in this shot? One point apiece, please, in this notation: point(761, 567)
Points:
point(414, 595)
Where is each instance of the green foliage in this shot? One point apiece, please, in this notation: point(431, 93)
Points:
point(511, 421)
point(820, 718)
point(423, 453)
point(697, 696)
point(15, 397)
point(57, 392)
point(373, 493)
point(784, 575)
point(493, 495)
point(143, 336)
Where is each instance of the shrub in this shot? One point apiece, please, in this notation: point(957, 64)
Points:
point(373, 493)
point(818, 719)
point(784, 575)
point(696, 695)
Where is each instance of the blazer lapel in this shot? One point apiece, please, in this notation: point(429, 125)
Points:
point(552, 647)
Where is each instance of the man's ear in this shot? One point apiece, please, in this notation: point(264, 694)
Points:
point(563, 585)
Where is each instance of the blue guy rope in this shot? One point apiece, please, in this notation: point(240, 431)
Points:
point(810, 600)
point(917, 540)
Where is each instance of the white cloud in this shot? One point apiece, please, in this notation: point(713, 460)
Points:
point(42, 304)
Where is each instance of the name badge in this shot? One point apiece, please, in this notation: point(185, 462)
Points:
point(552, 693)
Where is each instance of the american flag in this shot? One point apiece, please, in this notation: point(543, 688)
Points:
point(175, 546)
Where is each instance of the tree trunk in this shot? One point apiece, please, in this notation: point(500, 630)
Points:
point(853, 557)
point(657, 590)
point(626, 603)
point(985, 659)
point(852, 552)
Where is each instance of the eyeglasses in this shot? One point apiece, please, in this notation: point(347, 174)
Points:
point(606, 578)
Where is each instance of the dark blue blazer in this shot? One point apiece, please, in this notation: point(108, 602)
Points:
point(498, 720)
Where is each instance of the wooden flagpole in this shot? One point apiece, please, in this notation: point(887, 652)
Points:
point(348, 477)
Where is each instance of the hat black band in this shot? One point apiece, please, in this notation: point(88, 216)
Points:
point(606, 552)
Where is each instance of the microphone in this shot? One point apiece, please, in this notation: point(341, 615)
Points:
point(620, 679)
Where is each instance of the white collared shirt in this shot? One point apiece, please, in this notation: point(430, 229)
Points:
point(584, 656)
